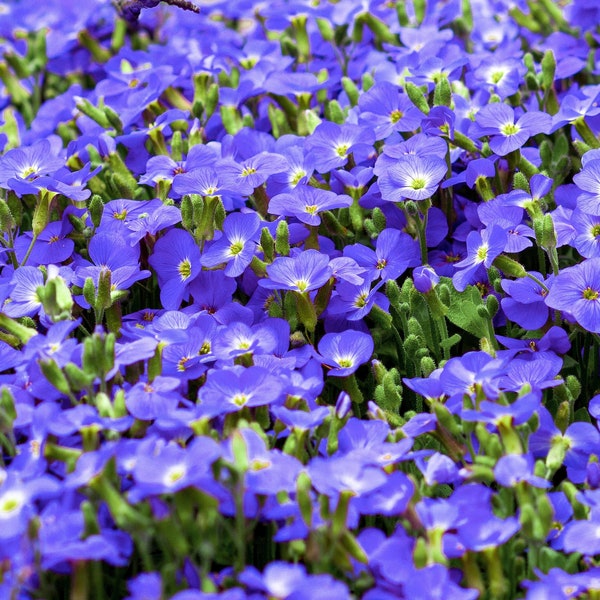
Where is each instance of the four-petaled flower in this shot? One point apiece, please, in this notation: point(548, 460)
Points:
point(576, 291)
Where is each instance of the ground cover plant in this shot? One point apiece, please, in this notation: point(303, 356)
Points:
point(299, 299)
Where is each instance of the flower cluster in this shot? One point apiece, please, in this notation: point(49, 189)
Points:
point(299, 299)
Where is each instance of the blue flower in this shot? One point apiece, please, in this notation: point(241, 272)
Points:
point(576, 291)
point(306, 202)
point(395, 251)
point(516, 468)
point(237, 245)
point(243, 178)
point(412, 177)
point(307, 271)
point(21, 167)
point(230, 390)
point(148, 400)
point(165, 468)
point(330, 145)
point(525, 304)
point(482, 249)
point(176, 260)
point(506, 135)
point(344, 352)
point(385, 109)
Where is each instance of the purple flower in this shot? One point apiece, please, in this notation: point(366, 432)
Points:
point(176, 260)
point(156, 217)
point(62, 539)
point(559, 585)
point(268, 471)
point(236, 246)
point(498, 121)
point(212, 290)
point(587, 233)
point(230, 390)
point(436, 581)
point(390, 499)
point(588, 180)
point(510, 219)
point(525, 304)
point(583, 536)
point(439, 468)
point(492, 413)
point(70, 184)
point(336, 474)
point(16, 507)
point(24, 300)
point(356, 301)
point(413, 177)
point(516, 468)
point(309, 270)
point(164, 168)
point(500, 71)
point(150, 400)
point(20, 167)
point(113, 254)
point(551, 346)
point(576, 291)
point(299, 171)
point(117, 215)
point(51, 246)
point(575, 106)
point(165, 468)
point(238, 339)
point(130, 9)
point(345, 351)
point(243, 178)
point(395, 251)
point(146, 586)
point(385, 109)
point(306, 202)
point(282, 580)
point(465, 374)
point(439, 121)
point(188, 360)
point(535, 374)
point(482, 249)
point(571, 448)
point(479, 528)
point(330, 145)
point(425, 279)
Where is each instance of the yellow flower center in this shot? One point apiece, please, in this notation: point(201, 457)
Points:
point(396, 115)
point(185, 269)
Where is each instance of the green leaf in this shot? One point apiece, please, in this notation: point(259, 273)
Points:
point(463, 310)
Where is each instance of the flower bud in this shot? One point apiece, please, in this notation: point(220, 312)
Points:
point(548, 69)
point(282, 239)
point(442, 95)
point(425, 279)
point(267, 244)
point(509, 266)
point(416, 96)
point(53, 373)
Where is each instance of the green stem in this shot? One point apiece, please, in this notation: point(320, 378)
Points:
point(473, 572)
point(24, 334)
point(79, 582)
point(422, 235)
point(497, 581)
point(350, 385)
point(540, 283)
point(583, 129)
point(240, 529)
point(29, 250)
